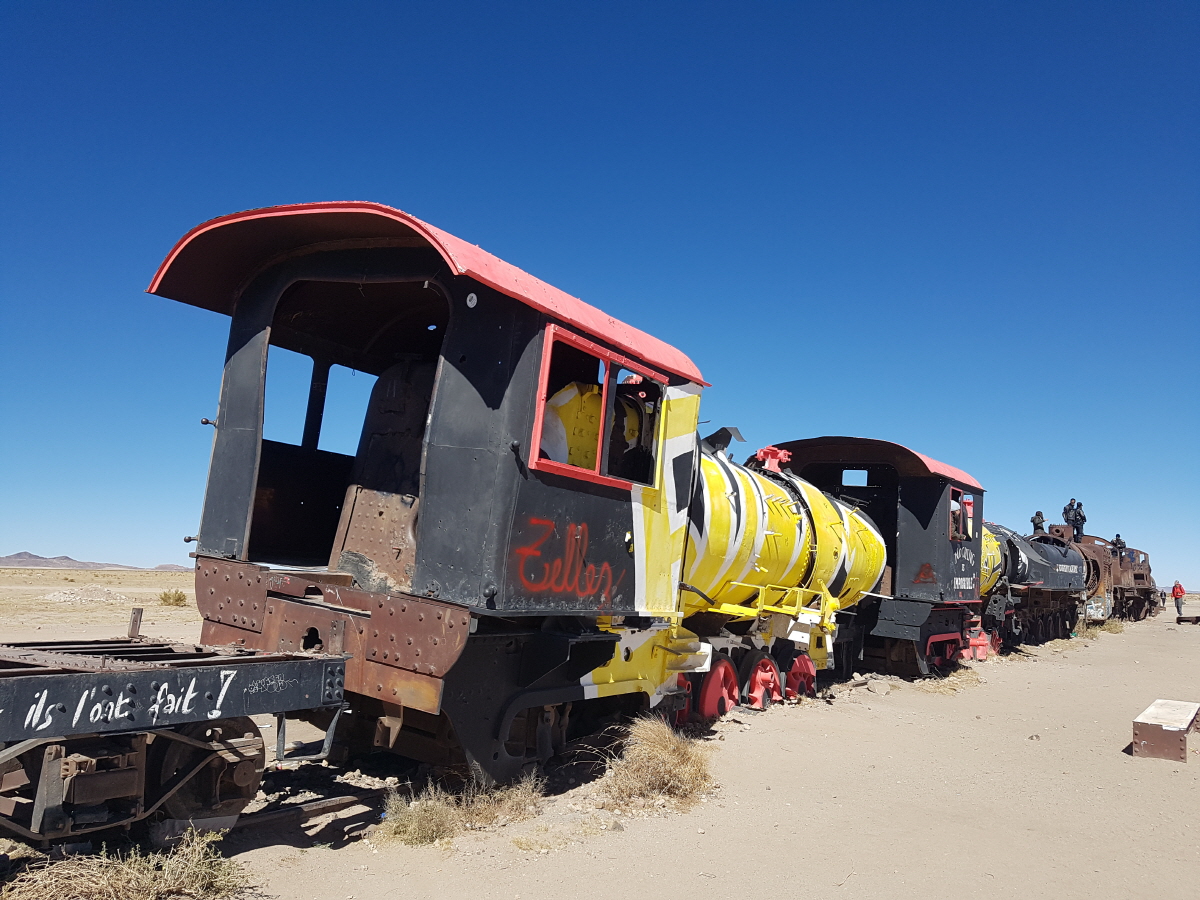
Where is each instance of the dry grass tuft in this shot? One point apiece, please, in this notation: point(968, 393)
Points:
point(658, 763)
point(541, 840)
point(960, 679)
point(1091, 632)
point(1059, 644)
point(436, 814)
point(193, 869)
point(173, 597)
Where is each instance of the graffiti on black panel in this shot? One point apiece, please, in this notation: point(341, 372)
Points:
point(542, 568)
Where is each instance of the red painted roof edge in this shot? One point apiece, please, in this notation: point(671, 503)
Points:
point(468, 259)
point(945, 469)
point(934, 466)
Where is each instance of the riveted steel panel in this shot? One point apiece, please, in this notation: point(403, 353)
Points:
point(231, 593)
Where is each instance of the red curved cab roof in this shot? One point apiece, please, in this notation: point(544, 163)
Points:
point(869, 450)
point(209, 265)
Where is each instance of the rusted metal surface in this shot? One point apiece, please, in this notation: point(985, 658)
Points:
point(400, 646)
point(230, 593)
point(1119, 576)
point(21, 659)
point(376, 537)
point(1161, 731)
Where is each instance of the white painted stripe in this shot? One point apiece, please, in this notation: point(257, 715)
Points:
point(640, 550)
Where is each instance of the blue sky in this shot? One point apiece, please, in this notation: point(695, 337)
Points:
point(973, 229)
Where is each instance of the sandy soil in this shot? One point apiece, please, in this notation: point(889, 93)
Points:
point(43, 604)
point(1016, 784)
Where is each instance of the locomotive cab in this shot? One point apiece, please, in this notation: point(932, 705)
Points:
point(490, 419)
point(930, 515)
point(516, 502)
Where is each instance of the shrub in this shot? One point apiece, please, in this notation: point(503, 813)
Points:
point(436, 814)
point(658, 763)
point(173, 597)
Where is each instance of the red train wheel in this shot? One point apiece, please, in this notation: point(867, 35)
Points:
point(684, 712)
point(719, 692)
point(761, 682)
point(802, 678)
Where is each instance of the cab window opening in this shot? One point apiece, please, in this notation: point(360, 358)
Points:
point(598, 415)
point(349, 382)
point(962, 515)
point(633, 426)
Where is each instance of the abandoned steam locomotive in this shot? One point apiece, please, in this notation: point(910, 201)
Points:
point(530, 536)
point(531, 539)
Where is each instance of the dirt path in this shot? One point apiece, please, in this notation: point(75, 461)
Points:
point(1014, 786)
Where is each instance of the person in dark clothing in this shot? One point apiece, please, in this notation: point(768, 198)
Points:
point(1078, 522)
point(1117, 545)
point(1069, 513)
point(1039, 522)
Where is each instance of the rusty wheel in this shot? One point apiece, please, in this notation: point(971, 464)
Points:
point(221, 788)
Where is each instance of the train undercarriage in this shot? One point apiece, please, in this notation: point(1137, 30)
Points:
point(100, 735)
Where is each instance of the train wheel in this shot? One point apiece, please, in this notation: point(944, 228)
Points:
point(219, 789)
point(801, 678)
point(684, 712)
point(761, 682)
point(719, 691)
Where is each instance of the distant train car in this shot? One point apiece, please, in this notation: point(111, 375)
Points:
point(930, 517)
point(1124, 587)
point(1039, 587)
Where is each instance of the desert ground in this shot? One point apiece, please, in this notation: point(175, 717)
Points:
point(1011, 778)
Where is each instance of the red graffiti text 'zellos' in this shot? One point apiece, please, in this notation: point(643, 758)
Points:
point(568, 574)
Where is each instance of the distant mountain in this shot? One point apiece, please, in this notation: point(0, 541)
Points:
point(32, 561)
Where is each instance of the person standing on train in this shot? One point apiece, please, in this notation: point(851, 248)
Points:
point(1118, 545)
point(1177, 592)
point(1069, 513)
point(1039, 522)
point(1077, 524)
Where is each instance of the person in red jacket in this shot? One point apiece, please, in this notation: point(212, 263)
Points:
point(1177, 592)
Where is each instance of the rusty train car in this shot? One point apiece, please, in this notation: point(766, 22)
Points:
point(1040, 587)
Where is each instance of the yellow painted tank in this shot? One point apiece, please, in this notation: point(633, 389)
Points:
point(765, 544)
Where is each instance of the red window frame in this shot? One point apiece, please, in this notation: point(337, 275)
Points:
point(556, 333)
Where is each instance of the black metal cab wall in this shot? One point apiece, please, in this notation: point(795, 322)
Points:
point(472, 481)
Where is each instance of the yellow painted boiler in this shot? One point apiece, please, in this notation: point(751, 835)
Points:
point(766, 544)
